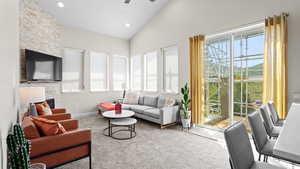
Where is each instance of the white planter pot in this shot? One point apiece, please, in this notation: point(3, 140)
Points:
point(186, 123)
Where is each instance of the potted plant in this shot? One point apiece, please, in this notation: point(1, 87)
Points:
point(185, 101)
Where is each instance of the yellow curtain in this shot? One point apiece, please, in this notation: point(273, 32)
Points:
point(275, 64)
point(196, 78)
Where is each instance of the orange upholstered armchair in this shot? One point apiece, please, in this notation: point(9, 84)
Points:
point(58, 114)
point(59, 149)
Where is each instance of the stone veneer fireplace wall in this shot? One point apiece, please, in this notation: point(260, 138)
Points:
point(41, 32)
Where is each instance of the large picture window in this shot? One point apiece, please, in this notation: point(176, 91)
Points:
point(151, 76)
point(98, 71)
point(120, 72)
point(171, 76)
point(72, 70)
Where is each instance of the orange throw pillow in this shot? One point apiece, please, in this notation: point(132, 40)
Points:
point(48, 127)
point(43, 108)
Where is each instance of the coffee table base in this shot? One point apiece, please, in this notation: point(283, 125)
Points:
point(108, 131)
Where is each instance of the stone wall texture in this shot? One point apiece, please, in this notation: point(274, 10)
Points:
point(39, 31)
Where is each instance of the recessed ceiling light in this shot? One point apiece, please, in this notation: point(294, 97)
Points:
point(60, 4)
point(127, 25)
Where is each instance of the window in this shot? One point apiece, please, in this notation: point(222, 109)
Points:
point(171, 80)
point(99, 67)
point(151, 76)
point(120, 72)
point(233, 75)
point(248, 71)
point(136, 73)
point(72, 70)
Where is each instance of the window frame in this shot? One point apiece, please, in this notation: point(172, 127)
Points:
point(81, 80)
point(126, 74)
point(164, 69)
point(132, 73)
point(106, 74)
point(145, 71)
point(231, 35)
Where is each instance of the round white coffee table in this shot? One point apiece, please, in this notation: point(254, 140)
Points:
point(112, 115)
point(129, 123)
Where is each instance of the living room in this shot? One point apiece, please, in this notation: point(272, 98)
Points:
point(144, 83)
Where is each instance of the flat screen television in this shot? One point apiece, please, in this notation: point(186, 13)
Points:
point(42, 67)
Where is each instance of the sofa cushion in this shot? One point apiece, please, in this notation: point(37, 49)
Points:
point(161, 101)
point(141, 100)
point(154, 112)
point(48, 127)
point(150, 101)
point(126, 106)
point(33, 110)
point(43, 108)
point(139, 108)
point(30, 129)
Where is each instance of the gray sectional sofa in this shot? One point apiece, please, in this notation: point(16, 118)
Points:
point(153, 109)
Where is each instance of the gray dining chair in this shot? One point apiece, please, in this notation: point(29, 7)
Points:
point(274, 115)
point(263, 144)
point(240, 150)
point(272, 131)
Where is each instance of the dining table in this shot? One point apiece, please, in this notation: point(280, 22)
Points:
point(287, 146)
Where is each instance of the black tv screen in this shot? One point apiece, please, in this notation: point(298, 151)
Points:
point(42, 67)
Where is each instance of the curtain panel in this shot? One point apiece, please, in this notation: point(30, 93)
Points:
point(275, 64)
point(197, 78)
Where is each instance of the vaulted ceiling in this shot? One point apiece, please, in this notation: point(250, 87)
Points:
point(105, 16)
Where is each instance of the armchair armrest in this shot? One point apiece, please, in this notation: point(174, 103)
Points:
point(47, 144)
point(69, 124)
point(58, 111)
point(57, 117)
point(169, 114)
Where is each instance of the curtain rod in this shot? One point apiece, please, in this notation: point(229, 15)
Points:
point(257, 22)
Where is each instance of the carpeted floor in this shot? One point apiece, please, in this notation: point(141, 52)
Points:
point(152, 148)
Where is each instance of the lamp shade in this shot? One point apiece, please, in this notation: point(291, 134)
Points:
point(31, 95)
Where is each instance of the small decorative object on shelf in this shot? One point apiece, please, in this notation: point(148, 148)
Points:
point(118, 109)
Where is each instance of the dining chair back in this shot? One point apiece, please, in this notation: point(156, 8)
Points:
point(273, 112)
point(239, 147)
point(269, 126)
point(259, 133)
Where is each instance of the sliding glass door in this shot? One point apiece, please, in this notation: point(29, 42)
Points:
point(233, 76)
point(217, 71)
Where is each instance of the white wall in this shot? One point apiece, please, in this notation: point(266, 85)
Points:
point(79, 39)
point(181, 19)
point(9, 65)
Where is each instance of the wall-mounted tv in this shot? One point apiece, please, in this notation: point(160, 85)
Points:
point(42, 67)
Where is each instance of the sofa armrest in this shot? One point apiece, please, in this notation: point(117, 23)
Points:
point(69, 124)
point(58, 111)
point(57, 117)
point(48, 144)
point(169, 114)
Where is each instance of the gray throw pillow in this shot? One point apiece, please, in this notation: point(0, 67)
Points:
point(32, 110)
point(150, 101)
point(161, 102)
point(141, 100)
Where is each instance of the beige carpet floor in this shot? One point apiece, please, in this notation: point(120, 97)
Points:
point(152, 148)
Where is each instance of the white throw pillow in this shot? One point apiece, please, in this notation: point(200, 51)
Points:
point(47, 110)
point(131, 98)
point(169, 102)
